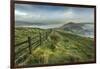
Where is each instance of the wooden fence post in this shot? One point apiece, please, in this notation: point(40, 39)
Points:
point(29, 42)
point(46, 35)
point(40, 38)
point(43, 35)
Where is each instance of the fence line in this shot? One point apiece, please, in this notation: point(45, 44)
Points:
point(33, 42)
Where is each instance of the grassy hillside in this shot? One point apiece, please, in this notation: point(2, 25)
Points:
point(60, 47)
point(82, 29)
point(22, 33)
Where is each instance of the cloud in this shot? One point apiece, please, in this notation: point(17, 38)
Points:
point(20, 13)
point(52, 14)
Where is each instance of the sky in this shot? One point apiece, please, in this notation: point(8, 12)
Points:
point(48, 14)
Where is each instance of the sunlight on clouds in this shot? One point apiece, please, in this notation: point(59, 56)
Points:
point(69, 14)
point(20, 13)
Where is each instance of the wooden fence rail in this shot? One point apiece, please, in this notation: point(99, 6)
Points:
point(32, 43)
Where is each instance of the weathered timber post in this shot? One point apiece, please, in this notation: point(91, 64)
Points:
point(30, 47)
point(43, 35)
point(46, 35)
point(40, 38)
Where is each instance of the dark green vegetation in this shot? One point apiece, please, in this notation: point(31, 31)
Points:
point(59, 47)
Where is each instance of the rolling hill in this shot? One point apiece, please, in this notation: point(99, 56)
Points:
point(63, 47)
point(83, 29)
point(60, 47)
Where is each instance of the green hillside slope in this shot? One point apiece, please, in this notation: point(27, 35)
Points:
point(60, 47)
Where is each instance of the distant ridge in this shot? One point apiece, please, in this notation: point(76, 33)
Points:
point(84, 29)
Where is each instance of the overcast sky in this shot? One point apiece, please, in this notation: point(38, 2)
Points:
point(52, 14)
